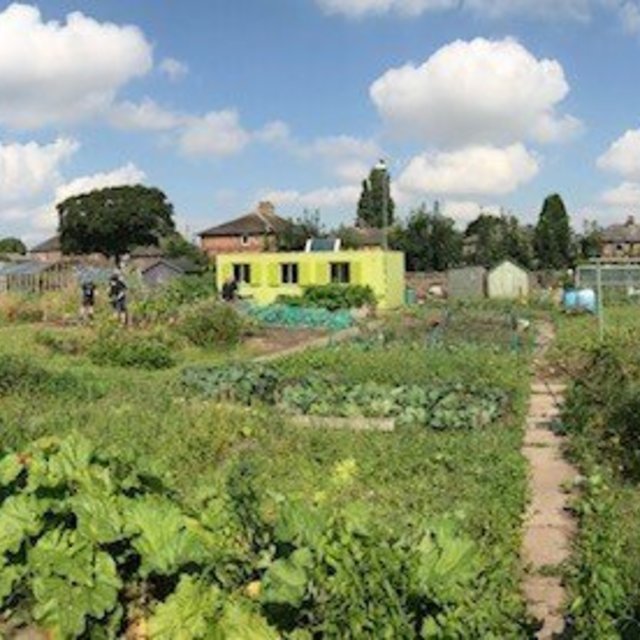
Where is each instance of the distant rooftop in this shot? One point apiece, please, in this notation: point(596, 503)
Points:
point(263, 220)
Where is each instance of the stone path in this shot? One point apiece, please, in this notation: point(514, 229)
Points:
point(549, 527)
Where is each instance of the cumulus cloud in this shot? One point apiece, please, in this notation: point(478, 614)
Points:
point(346, 157)
point(623, 156)
point(145, 115)
point(624, 196)
point(481, 91)
point(173, 69)
point(477, 170)
point(627, 11)
point(465, 211)
point(45, 217)
point(360, 8)
point(217, 133)
point(28, 170)
point(276, 132)
point(52, 72)
point(323, 198)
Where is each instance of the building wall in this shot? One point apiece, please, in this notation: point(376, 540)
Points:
point(47, 256)
point(382, 271)
point(214, 245)
point(508, 281)
point(466, 283)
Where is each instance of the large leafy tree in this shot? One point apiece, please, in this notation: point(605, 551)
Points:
point(552, 237)
point(294, 235)
point(497, 238)
point(12, 245)
point(430, 241)
point(114, 220)
point(376, 207)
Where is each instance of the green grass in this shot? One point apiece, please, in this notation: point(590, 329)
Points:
point(407, 477)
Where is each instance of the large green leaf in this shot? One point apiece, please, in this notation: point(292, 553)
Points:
point(71, 582)
point(286, 580)
point(10, 468)
point(20, 517)
point(163, 536)
point(188, 614)
point(447, 563)
point(99, 517)
point(238, 623)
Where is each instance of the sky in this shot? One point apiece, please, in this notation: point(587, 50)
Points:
point(484, 105)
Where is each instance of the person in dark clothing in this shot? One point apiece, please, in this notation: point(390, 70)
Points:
point(118, 296)
point(229, 289)
point(88, 299)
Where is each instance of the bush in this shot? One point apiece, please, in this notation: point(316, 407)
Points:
point(211, 324)
point(21, 375)
point(132, 349)
point(63, 342)
point(333, 297)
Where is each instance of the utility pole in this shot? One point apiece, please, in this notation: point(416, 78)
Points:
point(382, 167)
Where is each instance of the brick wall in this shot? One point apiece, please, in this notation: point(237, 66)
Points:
point(233, 244)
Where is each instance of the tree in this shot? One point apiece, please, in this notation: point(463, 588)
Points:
point(374, 198)
point(430, 241)
point(590, 241)
point(298, 231)
point(177, 246)
point(498, 238)
point(12, 245)
point(114, 220)
point(552, 236)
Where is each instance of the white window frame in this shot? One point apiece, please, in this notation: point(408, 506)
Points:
point(244, 240)
point(338, 271)
point(289, 273)
point(242, 272)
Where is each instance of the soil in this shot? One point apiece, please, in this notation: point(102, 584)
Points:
point(549, 526)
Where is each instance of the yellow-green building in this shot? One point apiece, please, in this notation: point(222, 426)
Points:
point(265, 276)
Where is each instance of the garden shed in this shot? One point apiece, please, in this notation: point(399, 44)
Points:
point(508, 281)
point(164, 270)
point(466, 283)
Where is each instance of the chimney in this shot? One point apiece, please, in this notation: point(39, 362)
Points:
point(266, 209)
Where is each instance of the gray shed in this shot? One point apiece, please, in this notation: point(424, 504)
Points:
point(508, 281)
point(466, 283)
point(162, 271)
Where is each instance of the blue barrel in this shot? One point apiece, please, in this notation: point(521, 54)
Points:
point(570, 299)
point(586, 299)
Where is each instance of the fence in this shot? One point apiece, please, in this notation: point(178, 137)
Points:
point(35, 277)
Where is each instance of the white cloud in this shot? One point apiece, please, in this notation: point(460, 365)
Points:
point(627, 11)
point(45, 217)
point(470, 171)
point(52, 72)
point(324, 198)
point(480, 91)
point(145, 115)
point(623, 156)
point(346, 157)
point(217, 133)
point(465, 211)
point(27, 170)
point(276, 132)
point(624, 196)
point(173, 69)
point(360, 8)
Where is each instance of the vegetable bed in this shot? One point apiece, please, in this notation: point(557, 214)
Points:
point(446, 406)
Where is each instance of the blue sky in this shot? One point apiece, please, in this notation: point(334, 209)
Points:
point(220, 103)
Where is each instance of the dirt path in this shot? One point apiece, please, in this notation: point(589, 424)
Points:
point(549, 527)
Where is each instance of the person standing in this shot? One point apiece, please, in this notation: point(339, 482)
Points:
point(88, 299)
point(229, 289)
point(118, 296)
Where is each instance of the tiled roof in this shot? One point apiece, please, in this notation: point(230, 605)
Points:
point(621, 233)
point(51, 244)
point(251, 224)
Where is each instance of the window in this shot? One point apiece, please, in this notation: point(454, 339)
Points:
point(244, 240)
point(242, 273)
point(289, 273)
point(340, 272)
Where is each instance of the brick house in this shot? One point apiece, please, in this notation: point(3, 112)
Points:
point(621, 240)
point(254, 232)
point(47, 251)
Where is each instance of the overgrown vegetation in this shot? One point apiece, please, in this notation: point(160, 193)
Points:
point(333, 297)
point(210, 324)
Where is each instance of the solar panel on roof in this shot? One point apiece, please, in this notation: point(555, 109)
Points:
point(323, 244)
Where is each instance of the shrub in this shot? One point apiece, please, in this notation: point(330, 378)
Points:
point(211, 324)
point(21, 375)
point(333, 296)
point(63, 342)
point(132, 349)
